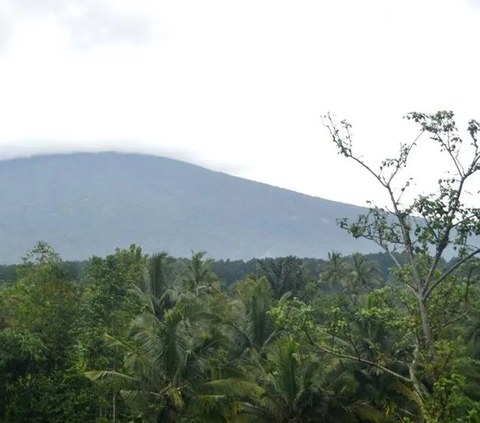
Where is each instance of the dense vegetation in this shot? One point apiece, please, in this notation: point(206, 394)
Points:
point(137, 338)
point(166, 340)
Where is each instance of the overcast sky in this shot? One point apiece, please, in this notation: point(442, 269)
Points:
point(235, 86)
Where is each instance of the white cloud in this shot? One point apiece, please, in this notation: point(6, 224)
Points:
point(233, 85)
point(88, 23)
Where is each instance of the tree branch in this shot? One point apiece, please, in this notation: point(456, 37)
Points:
point(357, 359)
point(428, 290)
point(363, 361)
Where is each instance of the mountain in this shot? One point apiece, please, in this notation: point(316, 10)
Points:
point(90, 203)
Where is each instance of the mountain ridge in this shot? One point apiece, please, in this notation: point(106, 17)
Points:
point(90, 203)
point(173, 159)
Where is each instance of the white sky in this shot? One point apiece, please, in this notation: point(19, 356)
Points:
point(235, 86)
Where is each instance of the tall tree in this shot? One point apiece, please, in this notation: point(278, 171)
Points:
point(362, 275)
point(198, 273)
point(169, 353)
point(285, 274)
point(445, 220)
point(108, 305)
point(39, 380)
point(249, 316)
point(334, 271)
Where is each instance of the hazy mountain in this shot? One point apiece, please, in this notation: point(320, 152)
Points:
point(84, 204)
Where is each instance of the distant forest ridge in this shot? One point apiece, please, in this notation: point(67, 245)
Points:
point(228, 271)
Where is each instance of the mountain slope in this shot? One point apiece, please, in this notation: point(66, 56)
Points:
point(84, 204)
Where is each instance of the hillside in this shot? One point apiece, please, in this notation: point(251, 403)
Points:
point(86, 203)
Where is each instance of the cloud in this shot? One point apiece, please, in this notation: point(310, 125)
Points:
point(240, 86)
point(29, 148)
point(5, 34)
point(89, 23)
point(90, 30)
point(100, 23)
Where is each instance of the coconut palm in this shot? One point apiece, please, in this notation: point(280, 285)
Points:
point(361, 275)
point(335, 270)
point(249, 319)
point(290, 386)
point(166, 359)
point(159, 274)
point(285, 274)
point(198, 274)
point(157, 290)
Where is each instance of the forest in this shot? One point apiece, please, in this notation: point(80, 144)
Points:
point(135, 337)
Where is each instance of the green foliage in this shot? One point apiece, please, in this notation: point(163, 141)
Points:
point(56, 397)
point(143, 338)
point(386, 338)
point(285, 274)
point(433, 296)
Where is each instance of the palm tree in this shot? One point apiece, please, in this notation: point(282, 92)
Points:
point(249, 318)
point(362, 275)
point(198, 274)
point(335, 271)
point(289, 382)
point(354, 276)
point(159, 274)
point(289, 385)
point(285, 274)
point(166, 360)
point(258, 322)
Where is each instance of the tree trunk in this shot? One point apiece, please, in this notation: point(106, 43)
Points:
point(426, 328)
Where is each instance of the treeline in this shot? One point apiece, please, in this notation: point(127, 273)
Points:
point(137, 338)
point(228, 271)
